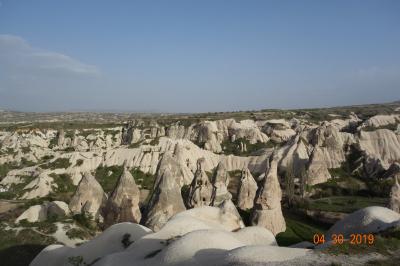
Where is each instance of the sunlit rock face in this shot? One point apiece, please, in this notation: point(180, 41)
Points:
point(267, 211)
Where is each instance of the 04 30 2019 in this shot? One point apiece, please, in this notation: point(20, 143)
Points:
point(338, 239)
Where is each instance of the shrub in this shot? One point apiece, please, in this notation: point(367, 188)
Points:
point(79, 162)
point(58, 163)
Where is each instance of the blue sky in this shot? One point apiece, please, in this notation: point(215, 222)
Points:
point(197, 56)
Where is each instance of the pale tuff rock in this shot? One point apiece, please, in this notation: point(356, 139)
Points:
point(209, 135)
point(247, 190)
point(189, 238)
point(123, 203)
point(352, 121)
point(368, 220)
point(267, 211)
point(247, 129)
point(200, 190)
point(317, 171)
point(382, 120)
point(175, 164)
point(331, 143)
point(165, 201)
point(176, 132)
point(382, 145)
point(38, 213)
point(40, 187)
point(89, 197)
point(282, 135)
point(60, 138)
point(220, 184)
point(395, 195)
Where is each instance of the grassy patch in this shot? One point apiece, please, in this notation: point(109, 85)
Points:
point(345, 204)
point(77, 233)
point(57, 164)
point(229, 147)
point(145, 180)
point(299, 228)
point(108, 176)
point(64, 189)
point(16, 190)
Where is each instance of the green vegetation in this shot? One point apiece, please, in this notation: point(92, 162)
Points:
point(58, 163)
point(345, 204)
point(392, 127)
point(234, 147)
point(26, 149)
point(135, 145)
point(20, 248)
point(79, 162)
point(85, 221)
point(64, 189)
point(155, 141)
point(74, 233)
point(16, 190)
point(299, 228)
point(6, 167)
point(108, 176)
point(145, 180)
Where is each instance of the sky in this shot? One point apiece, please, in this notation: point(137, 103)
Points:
point(197, 56)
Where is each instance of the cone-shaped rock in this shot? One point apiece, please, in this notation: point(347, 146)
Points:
point(220, 186)
point(165, 201)
point(247, 190)
point(267, 211)
point(89, 197)
point(395, 194)
point(123, 204)
point(201, 189)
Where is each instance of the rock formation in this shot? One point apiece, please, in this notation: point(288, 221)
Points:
point(39, 213)
point(165, 201)
point(267, 211)
point(382, 146)
point(317, 171)
point(200, 191)
point(395, 194)
point(247, 190)
point(89, 197)
point(123, 204)
point(220, 184)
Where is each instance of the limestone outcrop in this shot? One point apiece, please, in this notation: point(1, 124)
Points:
point(89, 197)
point(267, 211)
point(123, 203)
point(247, 190)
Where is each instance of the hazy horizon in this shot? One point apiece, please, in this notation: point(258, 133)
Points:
point(190, 57)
